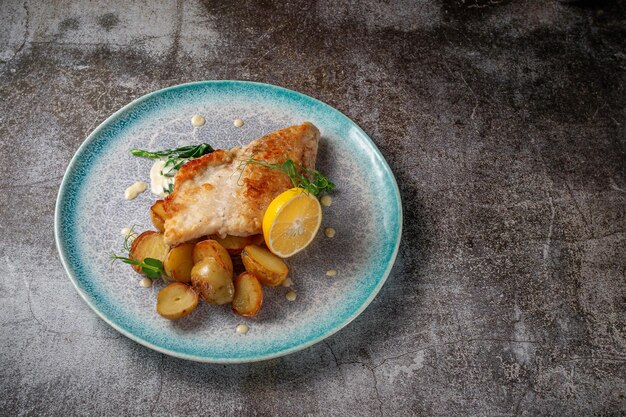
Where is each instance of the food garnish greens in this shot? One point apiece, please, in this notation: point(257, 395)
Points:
point(300, 175)
point(177, 157)
point(153, 268)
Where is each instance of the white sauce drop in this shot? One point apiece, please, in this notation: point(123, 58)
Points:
point(238, 122)
point(145, 283)
point(331, 272)
point(197, 121)
point(242, 329)
point(329, 232)
point(134, 190)
point(291, 296)
point(158, 182)
point(126, 231)
point(326, 200)
point(287, 282)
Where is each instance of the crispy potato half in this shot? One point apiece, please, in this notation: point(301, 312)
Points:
point(267, 267)
point(179, 262)
point(149, 244)
point(177, 300)
point(248, 295)
point(212, 281)
point(211, 249)
point(235, 244)
point(157, 215)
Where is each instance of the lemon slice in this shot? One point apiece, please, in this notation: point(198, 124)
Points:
point(291, 222)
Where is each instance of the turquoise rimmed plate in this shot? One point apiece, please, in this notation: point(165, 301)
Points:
point(366, 213)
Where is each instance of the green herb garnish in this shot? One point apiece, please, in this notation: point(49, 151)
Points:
point(128, 239)
point(177, 157)
point(310, 179)
point(153, 268)
point(185, 152)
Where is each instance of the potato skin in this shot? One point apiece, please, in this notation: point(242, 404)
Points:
point(267, 274)
point(149, 244)
point(177, 300)
point(179, 262)
point(211, 248)
point(248, 295)
point(157, 215)
point(212, 281)
point(235, 244)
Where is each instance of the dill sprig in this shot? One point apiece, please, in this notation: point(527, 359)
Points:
point(309, 179)
point(128, 239)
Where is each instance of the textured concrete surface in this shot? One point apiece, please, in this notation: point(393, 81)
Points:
point(504, 124)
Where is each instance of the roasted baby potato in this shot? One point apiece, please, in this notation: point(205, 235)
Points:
point(211, 249)
point(248, 295)
point(149, 244)
point(267, 267)
point(212, 281)
point(235, 244)
point(179, 262)
point(157, 215)
point(176, 300)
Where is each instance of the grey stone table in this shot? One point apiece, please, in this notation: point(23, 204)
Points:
point(503, 122)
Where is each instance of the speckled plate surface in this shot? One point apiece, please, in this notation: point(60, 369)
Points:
point(91, 210)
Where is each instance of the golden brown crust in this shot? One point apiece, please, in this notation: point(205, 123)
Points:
point(218, 194)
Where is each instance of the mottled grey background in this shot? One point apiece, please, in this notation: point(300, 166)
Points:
point(504, 124)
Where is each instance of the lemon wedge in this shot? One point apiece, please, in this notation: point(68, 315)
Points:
point(291, 222)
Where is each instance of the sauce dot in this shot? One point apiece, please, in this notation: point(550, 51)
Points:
point(134, 190)
point(291, 296)
point(287, 282)
point(331, 272)
point(145, 283)
point(238, 122)
point(125, 231)
point(242, 329)
point(326, 200)
point(197, 120)
point(329, 232)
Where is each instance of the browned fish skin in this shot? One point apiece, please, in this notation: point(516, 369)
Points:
point(218, 194)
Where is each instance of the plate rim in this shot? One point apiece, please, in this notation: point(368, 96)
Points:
point(104, 124)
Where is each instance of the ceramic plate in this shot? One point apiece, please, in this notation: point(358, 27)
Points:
point(91, 210)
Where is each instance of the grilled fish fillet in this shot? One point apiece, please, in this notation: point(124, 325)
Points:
point(218, 194)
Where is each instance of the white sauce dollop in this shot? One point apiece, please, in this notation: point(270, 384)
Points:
point(291, 296)
point(331, 273)
point(158, 182)
point(242, 329)
point(329, 232)
point(197, 120)
point(238, 122)
point(287, 282)
point(134, 190)
point(145, 283)
point(326, 200)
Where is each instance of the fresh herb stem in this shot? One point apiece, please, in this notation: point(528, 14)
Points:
point(153, 268)
point(177, 157)
point(128, 239)
point(184, 152)
point(309, 179)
